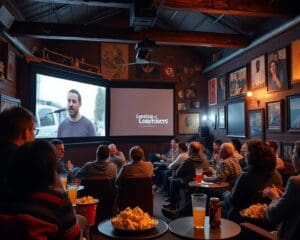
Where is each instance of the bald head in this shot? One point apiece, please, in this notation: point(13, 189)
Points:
point(226, 150)
point(194, 147)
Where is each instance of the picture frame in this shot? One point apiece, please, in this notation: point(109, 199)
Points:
point(195, 104)
point(8, 102)
point(221, 117)
point(274, 113)
point(277, 70)
point(238, 82)
point(182, 106)
point(295, 61)
point(212, 92)
point(180, 93)
point(190, 93)
point(293, 113)
point(287, 151)
point(258, 72)
point(213, 120)
point(11, 66)
point(256, 124)
point(221, 89)
point(188, 123)
point(236, 119)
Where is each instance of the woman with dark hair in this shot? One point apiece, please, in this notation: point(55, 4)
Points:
point(261, 173)
point(34, 208)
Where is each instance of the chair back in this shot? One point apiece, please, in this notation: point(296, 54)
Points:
point(136, 192)
point(101, 188)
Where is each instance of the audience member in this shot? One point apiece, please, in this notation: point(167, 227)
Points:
point(249, 185)
point(214, 160)
point(237, 149)
point(273, 145)
point(37, 202)
point(229, 169)
point(284, 208)
point(136, 166)
point(100, 167)
point(183, 155)
point(115, 156)
point(169, 156)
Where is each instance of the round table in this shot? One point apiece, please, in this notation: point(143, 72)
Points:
point(184, 227)
point(209, 185)
point(108, 230)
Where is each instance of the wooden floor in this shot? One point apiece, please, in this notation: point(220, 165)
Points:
point(158, 202)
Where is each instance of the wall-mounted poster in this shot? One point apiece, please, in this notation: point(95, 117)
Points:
point(238, 82)
point(293, 113)
point(236, 119)
point(256, 124)
point(221, 117)
point(274, 116)
point(114, 58)
point(258, 72)
point(295, 53)
point(190, 93)
point(182, 106)
point(188, 123)
point(212, 92)
point(277, 70)
point(221, 89)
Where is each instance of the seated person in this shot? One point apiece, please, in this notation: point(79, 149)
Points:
point(33, 201)
point(115, 156)
point(101, 167)
point(213, 162)
point(284, 208)
point(136, 167)
point(237, 152)
point(229, 169)
point(62, 166)
point(274, 147)
point(169, 156)
point(249, 185)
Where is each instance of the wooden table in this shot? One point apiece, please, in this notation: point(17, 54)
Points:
point(209, 185)
point(184, 227)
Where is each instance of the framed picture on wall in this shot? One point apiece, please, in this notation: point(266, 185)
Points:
point(274, 116)
point(190, 93)
point(277, 70)
point(221, 117)
point(295, 55)
point(293, 113)
point(287, 151)
point(221, 89)
point(212, 92)
point(256, 124)
point(258, 72)
point(195, 104)
point(188, 123)
point(11, 66)
point(236, 119)
point(180, 93)
point(8, 102)
point(238, 82)
point(182, 106)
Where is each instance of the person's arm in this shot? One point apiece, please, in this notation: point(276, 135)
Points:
point(180, 158)
point(83, 171)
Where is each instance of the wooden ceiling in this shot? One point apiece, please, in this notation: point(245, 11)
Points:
point(204, 23)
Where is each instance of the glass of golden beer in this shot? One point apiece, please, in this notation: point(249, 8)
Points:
point(72, 193)
point(199, 207)
point(63, 179)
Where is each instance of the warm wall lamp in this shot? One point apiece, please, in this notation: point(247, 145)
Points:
point(251, 98)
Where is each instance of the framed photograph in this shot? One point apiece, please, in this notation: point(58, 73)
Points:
point(213, 119)
point(182, 106)
point(256, 124)
point(287, 151)
point(236, 119)
point(11, 66)
point(277, 70)
point(221, 117)
point(238, 82)
point(180, 93)
point(190, 93)
point(258, 72)
point(293, 113)
point(212, 92)
point(195, 104)
point(188, 123)
point(295, 55)
point(274, 116)
point(221, 89)
point(8, 102)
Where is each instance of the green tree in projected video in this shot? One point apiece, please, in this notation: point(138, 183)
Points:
point(99, 105)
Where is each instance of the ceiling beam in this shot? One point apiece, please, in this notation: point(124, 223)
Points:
point(92, 3)
point(56, 31)
point(254, 8)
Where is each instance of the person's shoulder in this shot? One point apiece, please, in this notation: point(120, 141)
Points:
point(295, 180)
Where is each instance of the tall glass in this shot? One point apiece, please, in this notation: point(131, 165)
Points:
point(198, 173)
point(63, 179)
point(72, 193)
point(199, 207)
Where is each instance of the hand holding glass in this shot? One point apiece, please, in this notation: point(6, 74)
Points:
point(199, 207)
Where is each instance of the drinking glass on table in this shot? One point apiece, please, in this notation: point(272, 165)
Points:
point(199, 207)
point(199, 173)
point(72, 192)
point(63, 179)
